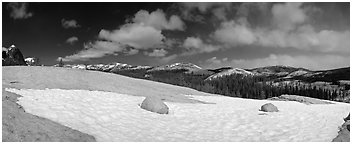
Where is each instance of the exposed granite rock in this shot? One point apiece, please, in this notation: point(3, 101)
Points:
point(19, 126)
point(344, 133)
point(269, 107)
point(12, 56)
point(154, 104)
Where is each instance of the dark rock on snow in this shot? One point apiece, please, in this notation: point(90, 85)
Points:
point(269, 107)
point(12, 56)
point(154, 104)
point(347, 118)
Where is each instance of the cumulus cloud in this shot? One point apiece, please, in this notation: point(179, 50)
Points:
point(156, 53)
point(289, 30)
point(135, 35)
point(158, 20)
point(315, 62)
point(72, 40)
point(196, 45)
point(19, 10)
point(69, 24)
point(95, 50)
point(141, 33)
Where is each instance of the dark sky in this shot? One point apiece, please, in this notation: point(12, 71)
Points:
point(246, 35)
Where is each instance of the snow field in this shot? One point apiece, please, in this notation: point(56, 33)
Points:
point(117, 117)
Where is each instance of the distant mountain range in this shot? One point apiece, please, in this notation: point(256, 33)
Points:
point(256, 83)
point(280, 72)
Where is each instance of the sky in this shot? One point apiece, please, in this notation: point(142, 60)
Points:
point(212, 35)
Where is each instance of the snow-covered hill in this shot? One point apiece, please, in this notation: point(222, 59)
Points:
point(228, 72)
point(105, 106)
point(105, 67)
point(177, 66)
point(116, 117)
point(297, 73)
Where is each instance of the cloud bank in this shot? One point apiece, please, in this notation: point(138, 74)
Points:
point(313, 62)
point(289, 30)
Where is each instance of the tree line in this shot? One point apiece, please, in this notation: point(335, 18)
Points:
point(253, 87)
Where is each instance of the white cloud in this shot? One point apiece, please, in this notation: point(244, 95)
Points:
point(195, 45)
point(135, 35)
point(158, 20)
point(72, 40)
point(19, 10)
point(144, 32)
point(69, 23)
point(157, 53)
point(95, 50)
point(315, 62)
point(234, 34)
point(288, 15)
point(305, 38)
point(289, 30)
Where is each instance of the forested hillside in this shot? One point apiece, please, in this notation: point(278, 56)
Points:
point(254, 87)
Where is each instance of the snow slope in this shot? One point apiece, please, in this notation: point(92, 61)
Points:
point(66, 78)
point(229, 72)
point(111, 116)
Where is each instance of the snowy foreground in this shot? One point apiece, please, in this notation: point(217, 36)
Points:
point(117, 117)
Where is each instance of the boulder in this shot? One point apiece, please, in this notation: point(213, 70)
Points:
point(269, 107)
point(154, 104)
point(12, 56)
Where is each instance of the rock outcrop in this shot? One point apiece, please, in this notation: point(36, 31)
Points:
point(269, 107)
point(301, 99)
point(344, 133)
point(20, 126)
point(154, 104)
point(12, 56)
